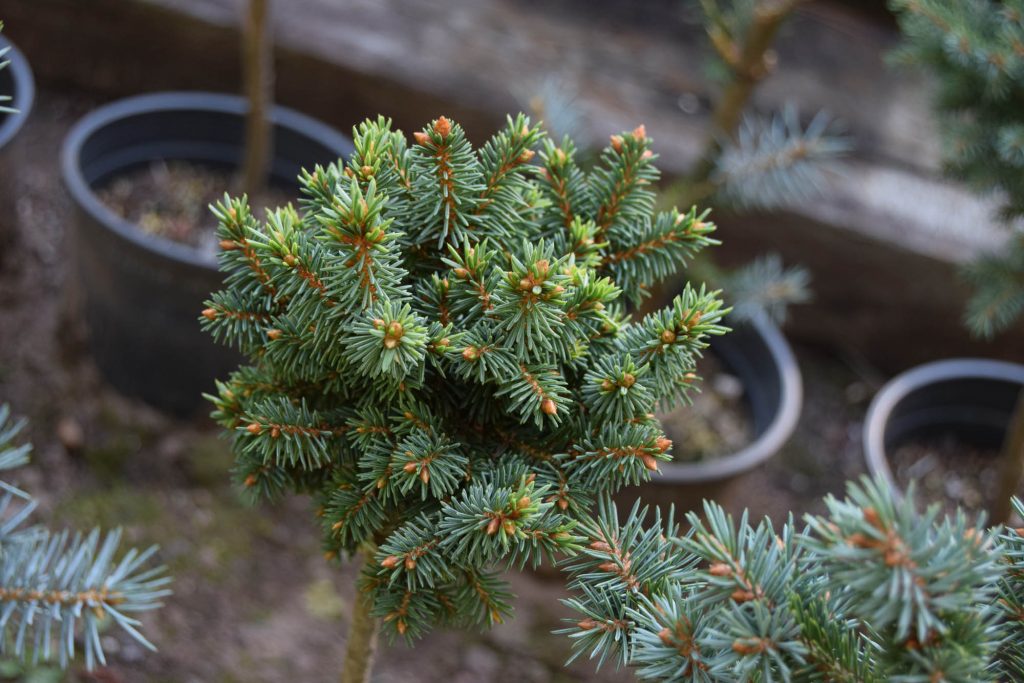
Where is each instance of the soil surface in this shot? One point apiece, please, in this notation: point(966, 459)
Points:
point(172, 199)
point(253, 599)
point(715, 423)
point(949, 472)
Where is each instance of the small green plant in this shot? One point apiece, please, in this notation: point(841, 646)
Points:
point(60, 589)
point(873, 591)
point(975, 50)
point(441, 357)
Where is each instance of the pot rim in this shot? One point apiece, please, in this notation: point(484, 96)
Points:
point(24, 94)
point(218, 103)
point(772, 439)
point(909, 381)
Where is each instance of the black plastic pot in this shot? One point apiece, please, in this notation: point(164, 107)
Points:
point(970, 398)
point(141, 294)
point(15, 81)
point(758, 354)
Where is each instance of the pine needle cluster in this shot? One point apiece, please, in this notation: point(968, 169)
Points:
point(58, 591)
point(441, 353)
point(871, 591)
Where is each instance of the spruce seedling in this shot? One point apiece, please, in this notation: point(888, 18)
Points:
point(441, 356)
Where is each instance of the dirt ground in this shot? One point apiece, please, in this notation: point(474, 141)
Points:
point(253, 599)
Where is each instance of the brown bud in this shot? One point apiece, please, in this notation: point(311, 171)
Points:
point(233, 213)
point(628, 380)
point(254, 428)
point(871, 517)
point(421, 137)
point(740, 595)
point(290, 260)
point(425, 475)
point(668, 336)
point(390, 562)
point(587, 625)
point(274, 334)
point(395, 329)
point(526, 283)
point(349, 172)
point(492, 526)
point(665, 635)
point(647, 154)
point(509, 527)
point(609, 567)
point(470, 353)
point(210, 313)
point(461, 273)
point(720, 569)
point(617, 143)
point(390, 342)
point(250, 481)
point(275, 432)
point(523, 503)
point(378, 323)
point(601, 546)
point(530, 478)
point(650, 462)
point(400, 627)
point(443, 127)
point(410, 564)
point(664, 443)
point(526, 156)
point(548, 407)
point(228, 245)
point(410, 467)
point(366, 170)
point(640, 132)
point(563, 503)
point(607, 385)
point(560, 156)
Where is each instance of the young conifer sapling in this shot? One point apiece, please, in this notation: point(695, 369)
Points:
point(440, 354)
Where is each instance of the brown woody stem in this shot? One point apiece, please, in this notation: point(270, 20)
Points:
point(362, 636)
point(257, 64)
point(748, 69)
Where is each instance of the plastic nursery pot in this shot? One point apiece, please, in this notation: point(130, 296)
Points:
point(141, 295)
point(758, 354)
point(970, 398)
point(15, 81)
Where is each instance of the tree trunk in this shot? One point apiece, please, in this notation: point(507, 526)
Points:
point(362, 638)
point(1012, 465)
point(258, 70)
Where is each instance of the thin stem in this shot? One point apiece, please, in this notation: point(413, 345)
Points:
point(258, 67)
point(362, 636)
point(748, 65)
point(1012, 464)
